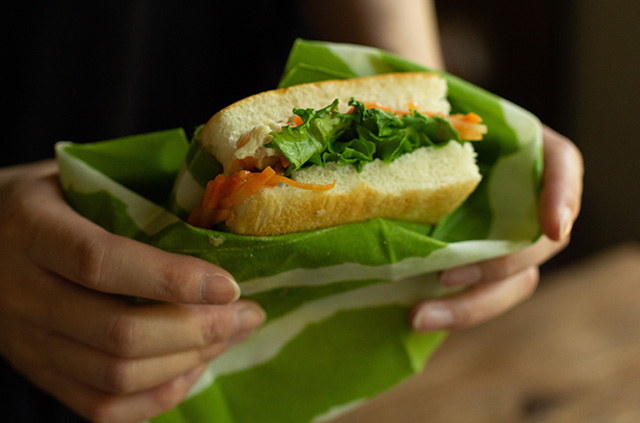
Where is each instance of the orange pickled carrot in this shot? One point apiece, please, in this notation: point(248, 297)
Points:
point(201, 213)
point(297, 121)
point(215, 191)
point(205, 215)
point(277, 179)
point(250, 186)
point(221, 216)
point(472, 118)
point(195, 216)
point(236, 181)
point(218, 186)
point(468, 126)
point(376, 105)
point(412, 105)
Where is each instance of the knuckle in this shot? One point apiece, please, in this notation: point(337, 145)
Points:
point(18, 298)
point(174, 282)
point(218, 332)
point(91, 254)
point(17, 214)
point(169, 394)
point(217, 325)
point(122, 335)
point(118, 376)
point(462, 317)
point(213, 351)
point(502, 267)
point(531, 281)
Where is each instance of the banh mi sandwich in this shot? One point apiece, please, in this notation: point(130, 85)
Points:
point(328, 153)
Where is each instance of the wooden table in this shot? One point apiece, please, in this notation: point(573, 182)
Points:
point(569, 354)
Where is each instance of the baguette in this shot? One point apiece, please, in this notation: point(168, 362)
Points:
point(423, 185)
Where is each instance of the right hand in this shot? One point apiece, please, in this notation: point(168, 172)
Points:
point(497, 285)
point(66, 329)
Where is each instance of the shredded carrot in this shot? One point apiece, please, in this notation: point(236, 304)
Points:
point(412, 105)
point(297, 121)
point(214, 192)
point(194, 217)
point(277, 179)
point(217, 189)
point(472, 118)
point(468, 126)
point(223, 193)
point(222, 215)
point(249, 187)
point(376, 105)
point(236, 181)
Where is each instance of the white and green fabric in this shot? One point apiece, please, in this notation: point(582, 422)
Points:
point(337, 299)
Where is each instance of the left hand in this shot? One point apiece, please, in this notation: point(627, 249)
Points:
point(497, 285)
point(67, 323)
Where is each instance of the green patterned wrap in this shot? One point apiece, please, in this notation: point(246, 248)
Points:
point(337, 299)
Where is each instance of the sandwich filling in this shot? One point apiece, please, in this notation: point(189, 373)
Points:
point(269, 153)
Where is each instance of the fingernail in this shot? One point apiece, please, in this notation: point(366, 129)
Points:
point(433, 317)
point(566, 222)
point(218, 288)
point(461, 276)
point(248, 318)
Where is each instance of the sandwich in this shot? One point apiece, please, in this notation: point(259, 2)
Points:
point(323, 154)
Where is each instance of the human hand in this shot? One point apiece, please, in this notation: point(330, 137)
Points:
point(494, 286)
point(65, 328)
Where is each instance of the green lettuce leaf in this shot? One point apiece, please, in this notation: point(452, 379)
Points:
point(358, 137)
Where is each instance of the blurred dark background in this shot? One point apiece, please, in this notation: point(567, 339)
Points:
point(87, 71)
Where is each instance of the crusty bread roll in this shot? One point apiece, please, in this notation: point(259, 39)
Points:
point(422, 186)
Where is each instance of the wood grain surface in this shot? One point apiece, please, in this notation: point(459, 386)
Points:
point(569, 354)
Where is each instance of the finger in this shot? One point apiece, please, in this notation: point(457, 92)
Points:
point(562, 185)
point(119, 375)
point(118, 326)
point(141, 330)
point(148, 330)
point(84, 253)
point(502, 267)
point(479, 304)
point(35, 348)
point(98, 406)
